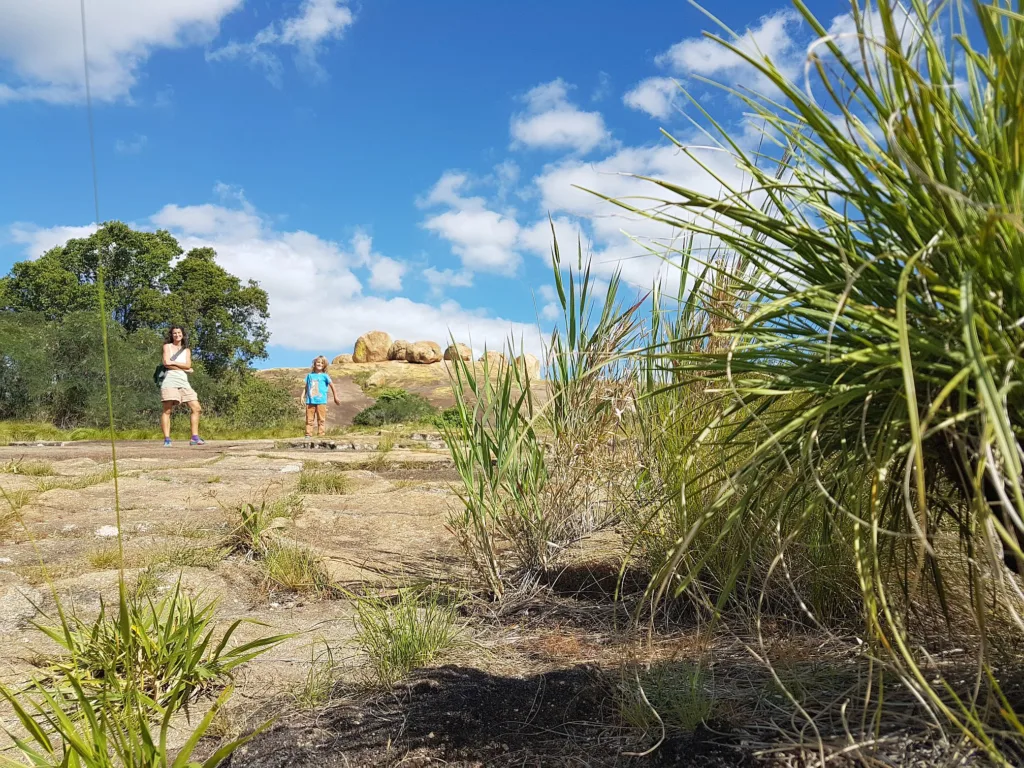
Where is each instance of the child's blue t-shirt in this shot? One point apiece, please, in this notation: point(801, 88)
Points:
point(316, 388)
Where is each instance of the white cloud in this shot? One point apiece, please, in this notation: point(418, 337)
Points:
point(656, 96)
point(131, 146)
point(843, 31)
point(208, 220)
point(317, 23)
point(386, 274)
point(41, 43)
point(608, 226)
point(603, 87)
point(537, 238)
point(482, 238)
point(772, 37)
point(551, 121)
point(447, 278)
point(38, 240)
point(551, 310)
point(317, 302)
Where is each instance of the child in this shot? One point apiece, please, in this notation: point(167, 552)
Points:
point(314, 396)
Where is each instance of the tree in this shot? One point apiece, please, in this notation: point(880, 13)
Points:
point(227, 319)
point(147, 285)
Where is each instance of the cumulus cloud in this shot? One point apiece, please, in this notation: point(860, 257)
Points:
point(772, 37)
point(656, 96)
point(317, 23)
point(551, 310)
point(482, 238)
point(439, 279)
point(616, 238)
point(318, 303)
point(41, 43)
point(552, 122)
point(38, 240)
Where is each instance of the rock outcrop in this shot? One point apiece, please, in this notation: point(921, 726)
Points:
point(493, 359)
point(424, 353)
point(531, 364)
point(399, 350)
point(342, 360)
point(372, 347)
point(458, 350)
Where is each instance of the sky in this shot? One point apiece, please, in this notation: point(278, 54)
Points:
point(383, 164)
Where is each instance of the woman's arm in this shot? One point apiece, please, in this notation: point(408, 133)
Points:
point(183, 363)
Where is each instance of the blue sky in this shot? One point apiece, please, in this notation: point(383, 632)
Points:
point(381, 164)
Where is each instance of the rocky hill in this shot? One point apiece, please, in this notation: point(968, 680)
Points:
point(378, 361)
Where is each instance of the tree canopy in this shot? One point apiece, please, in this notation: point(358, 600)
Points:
point(148, 285)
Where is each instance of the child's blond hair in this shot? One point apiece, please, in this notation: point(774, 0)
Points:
point(317, 360)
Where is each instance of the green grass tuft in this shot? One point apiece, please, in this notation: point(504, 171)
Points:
point(295, 568)
point(400, 635)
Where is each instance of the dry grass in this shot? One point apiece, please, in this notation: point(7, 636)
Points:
point(295, 568)
point(323, 479)
point(29, 468)
point(81, 482)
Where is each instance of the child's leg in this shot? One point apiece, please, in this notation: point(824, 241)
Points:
point(310, 415)
point(321, 416)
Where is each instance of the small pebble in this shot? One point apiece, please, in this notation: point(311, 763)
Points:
point(291, 468)
point(107, 531)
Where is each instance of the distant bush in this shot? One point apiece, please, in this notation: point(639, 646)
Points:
point(262, 404)
point(395, 406)
point(449, 417)
point(52, 372)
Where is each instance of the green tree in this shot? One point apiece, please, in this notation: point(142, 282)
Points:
point(147, 285)
point(63, 280)
point(226, 318)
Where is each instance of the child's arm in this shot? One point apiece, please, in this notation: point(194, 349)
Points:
point(305, 387)
point(330, 388)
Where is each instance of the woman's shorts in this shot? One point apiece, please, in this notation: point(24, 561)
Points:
point(179, 395)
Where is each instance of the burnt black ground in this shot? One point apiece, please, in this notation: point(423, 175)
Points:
point(458, 716)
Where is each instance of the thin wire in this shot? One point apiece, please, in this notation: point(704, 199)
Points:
point(100, 292)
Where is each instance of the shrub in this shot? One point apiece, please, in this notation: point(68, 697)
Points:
point(168, 651)
point(395, 406)
point(261, 404)
point(449, 417)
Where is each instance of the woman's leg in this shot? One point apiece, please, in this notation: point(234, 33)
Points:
point(196, 409)
point(165, 418)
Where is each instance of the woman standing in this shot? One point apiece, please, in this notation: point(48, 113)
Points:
point(174, 388)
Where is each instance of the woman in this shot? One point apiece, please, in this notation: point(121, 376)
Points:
point(175, 388)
